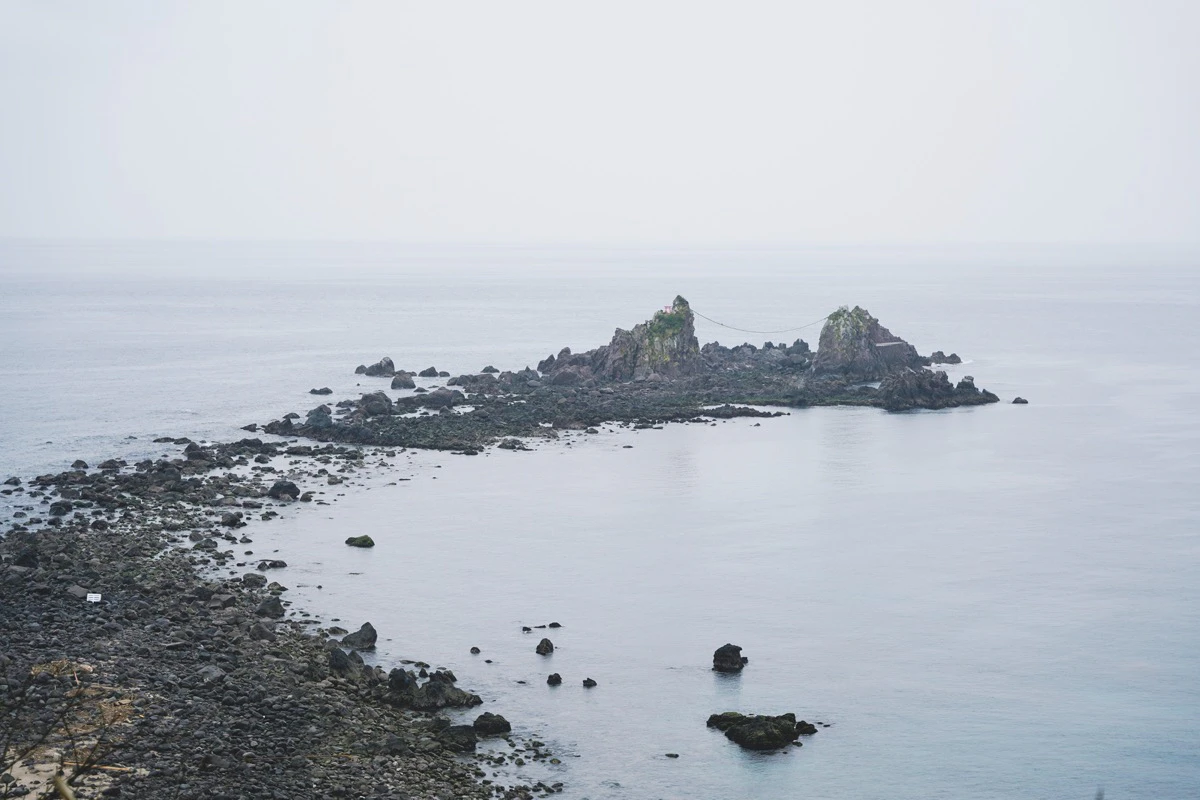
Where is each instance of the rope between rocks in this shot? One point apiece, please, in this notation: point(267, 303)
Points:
point(747, 330)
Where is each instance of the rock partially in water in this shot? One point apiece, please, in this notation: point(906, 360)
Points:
point(921, 388)
point(938, 357)
point(588, 683)
point(760, 732)
point(1020, 401)
point(375, 404)
point(362, 639)
point(281, 489)
point(322, 390)
point(403, 380)
point(361, 541)
point(729, 658)
point(429, 372)
point(545, 647)
point(383, 368)
point(554, 679)
point(489, 724)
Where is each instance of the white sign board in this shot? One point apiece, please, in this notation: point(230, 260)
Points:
point(93, 597)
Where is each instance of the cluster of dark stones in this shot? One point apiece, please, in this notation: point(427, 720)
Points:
point(761, 732)
point(222, 692)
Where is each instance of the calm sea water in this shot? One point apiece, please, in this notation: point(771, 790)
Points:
point(997, 602)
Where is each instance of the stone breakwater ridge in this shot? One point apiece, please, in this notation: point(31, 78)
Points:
point(181, 682)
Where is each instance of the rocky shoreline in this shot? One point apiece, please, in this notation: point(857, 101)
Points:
point(184, 681)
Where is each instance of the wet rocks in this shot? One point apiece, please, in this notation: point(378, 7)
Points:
point(362, 639)
point(360, 541)
point(375, 404)
point(489, 724)
point(270, 607)
point(588, 683)
point(921, 388)
point(403, 380)
point(554, 679)
point(544, 648)
point(755, 732)
point(729, 658)
point(383, 368)
point(283, 490)
point(322, 390)
point(1020, 401)
point(428, 372)
point(938, 357)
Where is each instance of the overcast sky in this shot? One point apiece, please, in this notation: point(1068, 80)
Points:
point(604, 122)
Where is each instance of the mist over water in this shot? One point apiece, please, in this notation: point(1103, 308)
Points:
point(991, 602)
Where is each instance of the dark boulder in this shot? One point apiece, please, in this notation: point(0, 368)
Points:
point(383, 368)
point(458, 738)
point(270, 607)
point(755, 732)
point(375, 404)
point(588, 683)
point(428, 372)
point(361, 541)
point(79, 464)
point(489, 724)
point(403, 380)
point(729, 658)
point(489, 369)
point(282, 489)
point(1020, 401)
point(322, 390)
point(60, 508)
point(545, 647)
point(554, 679)
point(362, 639)
point(938, 357)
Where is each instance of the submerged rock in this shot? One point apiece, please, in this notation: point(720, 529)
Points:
point(361, 541)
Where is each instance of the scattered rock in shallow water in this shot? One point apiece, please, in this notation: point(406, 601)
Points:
point(588, 683)
point(545, 647)
point(403, 380)
point(322, 390)
point(760, 732)
point(14, 481)
point(729, 658)
point(428, 372)
point(938, 357)
point(361, 541)
point(362, 639)
point(555, 679)
point(475, 651)
point(383, 368)
point(79, 464)
point(489, 370)
point(275, 563)
point(283, 489)
point(1020, 401)
point(672, 755)
point(489, 724)
point(554, 625)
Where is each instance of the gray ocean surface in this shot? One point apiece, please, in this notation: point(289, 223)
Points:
point(995, 602)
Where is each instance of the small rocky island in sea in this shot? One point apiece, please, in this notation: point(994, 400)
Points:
point(656, 372)
point(146, 650)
